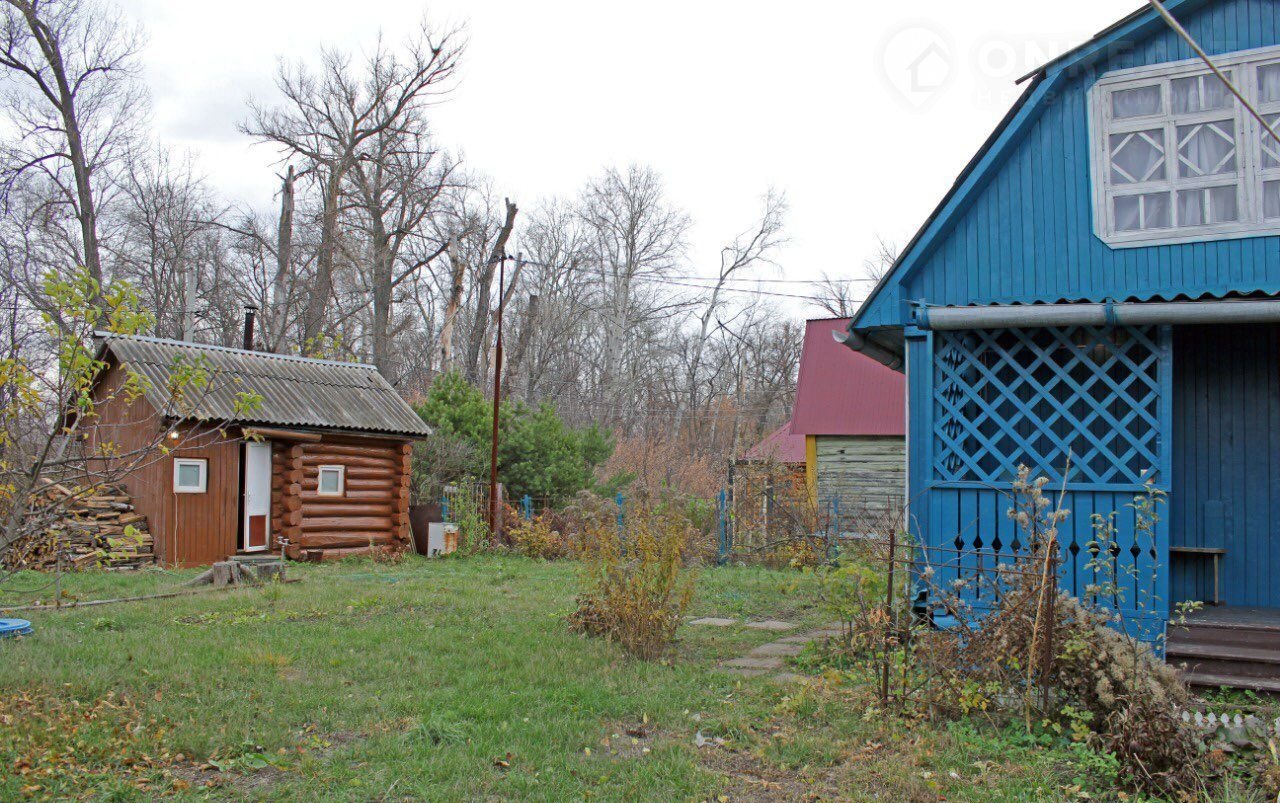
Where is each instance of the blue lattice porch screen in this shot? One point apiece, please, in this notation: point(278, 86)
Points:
point(1092, 402)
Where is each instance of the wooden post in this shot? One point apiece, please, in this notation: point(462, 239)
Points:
point(495, 523)
point(889, 619)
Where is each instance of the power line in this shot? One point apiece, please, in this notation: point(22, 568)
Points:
point(686, 281)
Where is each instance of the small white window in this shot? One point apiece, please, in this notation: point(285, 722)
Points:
point(1177, 159)
point(331, 481)
point(190, 475)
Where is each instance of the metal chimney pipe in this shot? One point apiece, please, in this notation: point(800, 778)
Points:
point(250, 311)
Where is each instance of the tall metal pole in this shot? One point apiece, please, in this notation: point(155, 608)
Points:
point(497, 399)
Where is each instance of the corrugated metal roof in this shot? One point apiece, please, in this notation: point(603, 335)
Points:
point(780, 446)
point(842, 392)
point(295, 391)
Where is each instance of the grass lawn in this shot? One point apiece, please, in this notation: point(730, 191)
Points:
point(452, 680)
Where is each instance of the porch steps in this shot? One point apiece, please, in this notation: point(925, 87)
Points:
point(1236, 648)
point(1211, 681)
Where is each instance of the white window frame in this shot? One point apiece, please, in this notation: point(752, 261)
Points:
point(1249, 174)
point(342, 480)
point(199, 462)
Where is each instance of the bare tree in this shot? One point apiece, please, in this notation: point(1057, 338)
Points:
point(485, 273)
point(882, 260)
point(839, 297)
point(71, 93)
point(166, 242)
point(330, 119)
point(398, 180)
point(753, 247)
point(635, 238)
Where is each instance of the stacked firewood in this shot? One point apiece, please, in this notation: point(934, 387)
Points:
point(89, 530)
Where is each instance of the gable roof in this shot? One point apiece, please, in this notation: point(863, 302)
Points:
point(843, 392)
point(295, 391)
point(780, 446)
point(1139, 24)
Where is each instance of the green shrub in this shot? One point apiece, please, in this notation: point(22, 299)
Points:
point(538, 454)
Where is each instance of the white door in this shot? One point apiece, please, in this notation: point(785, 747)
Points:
point(257, 496)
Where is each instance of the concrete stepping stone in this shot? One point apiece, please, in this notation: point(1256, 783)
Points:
point(770, 624)
point(714, 621)
point(800, 638)
point(776, 649)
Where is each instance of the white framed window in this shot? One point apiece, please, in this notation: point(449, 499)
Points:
point(332, 481)
point(190, 475)
point(1176, 158)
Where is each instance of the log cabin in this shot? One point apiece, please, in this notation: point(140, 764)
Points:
point(317, 469)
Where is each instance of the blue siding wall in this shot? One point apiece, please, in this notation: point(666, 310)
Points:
point(1026, 234)
point(1226, 461)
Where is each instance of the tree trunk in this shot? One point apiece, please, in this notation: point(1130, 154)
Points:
point(522, 346)
point(86, 213)
point(284, 260)
point(383, 278)
point(313, 318)
point(475, 345)
point(456, 288)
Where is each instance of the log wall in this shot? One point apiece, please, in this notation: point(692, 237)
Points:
point(373, 510)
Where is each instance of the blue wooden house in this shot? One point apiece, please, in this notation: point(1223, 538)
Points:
point(1099, 294)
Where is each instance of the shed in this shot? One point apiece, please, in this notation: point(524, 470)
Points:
point(1098, 298)
point(850, 410)
point(319, 469)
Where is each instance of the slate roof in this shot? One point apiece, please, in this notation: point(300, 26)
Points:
point(295, 391)
point(844, 392)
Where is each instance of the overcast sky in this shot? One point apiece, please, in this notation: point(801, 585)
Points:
point(861, 112)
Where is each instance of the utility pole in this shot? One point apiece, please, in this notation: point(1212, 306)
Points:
point(494, 503)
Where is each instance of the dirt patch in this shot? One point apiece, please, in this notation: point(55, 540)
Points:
point(253, 770)
point(629, 740)
point(749, 779)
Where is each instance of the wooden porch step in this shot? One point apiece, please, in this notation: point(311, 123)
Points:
point(1227, 668)
point(1248, 636)
point(1210, 680)
point(1220, 652)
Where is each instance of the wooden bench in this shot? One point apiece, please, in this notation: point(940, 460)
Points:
point(1210, 551)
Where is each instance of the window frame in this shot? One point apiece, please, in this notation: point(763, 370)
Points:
point(342, 480)
point(201, 463)
point(1249, 177)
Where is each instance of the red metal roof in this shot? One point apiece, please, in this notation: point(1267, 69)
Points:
point(780, 446)
point(842, 392)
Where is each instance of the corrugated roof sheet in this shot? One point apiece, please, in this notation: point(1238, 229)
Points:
point(295, 391)
point(842, 392)
point(780, 446)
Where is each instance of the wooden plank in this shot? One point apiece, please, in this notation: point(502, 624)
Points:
point(320, 523)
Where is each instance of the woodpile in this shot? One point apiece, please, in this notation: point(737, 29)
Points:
point(101, 529)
